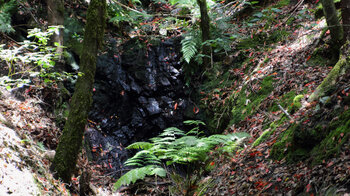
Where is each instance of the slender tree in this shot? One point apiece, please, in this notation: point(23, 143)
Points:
point(71, 140)
point(345, 10)
point(205, 29)
point(333, 23)
point(55, 17)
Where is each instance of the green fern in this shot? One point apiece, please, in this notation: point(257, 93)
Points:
point(143, 158)
point(173, 146)
point(138, 174)
point(140, 145)
point(189, 47)
point(6, 8)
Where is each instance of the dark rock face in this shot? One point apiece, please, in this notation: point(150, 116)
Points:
point(138, 94)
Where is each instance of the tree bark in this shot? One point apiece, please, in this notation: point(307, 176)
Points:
point(205, 29)
point(345, 10)
point(55, 17)
point(333, 23)
point(71, 140)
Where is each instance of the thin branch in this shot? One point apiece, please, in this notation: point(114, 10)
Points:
point(294, 10)
point(129, 8)
point(285, 111)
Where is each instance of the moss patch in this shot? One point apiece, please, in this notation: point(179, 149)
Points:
point(330, 80)
point(320, 57)
point(281, 3)
point(285, 101)
point(266, 134)
point(246, 106)
point(265, 38)
point(280, 148)
point(339, 133)
point(321, 142)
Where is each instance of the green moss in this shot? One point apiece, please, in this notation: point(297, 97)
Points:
point(297, 101)
point(268, 132)
point(263, 137)
point(330, 80)
point(216, 112)
point(281, 3)
point(280, 148)
point(285, 101)
point(321, 142)
point(246, 106)
point(320, 57)
point(339, 133)
point(267, 39)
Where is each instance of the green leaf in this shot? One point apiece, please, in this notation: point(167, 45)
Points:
point(276, 10)
point(189, 48)
point(140, 145)
point(259, 15)
point(139, 174)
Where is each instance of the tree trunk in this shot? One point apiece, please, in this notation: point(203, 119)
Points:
point(205, 28)
point(71, 140)
point(345, 10)
point(333, 24)
point(55, 17)
point(338, 70)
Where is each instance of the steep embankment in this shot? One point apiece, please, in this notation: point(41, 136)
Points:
point(297, 147)
point(25, 162)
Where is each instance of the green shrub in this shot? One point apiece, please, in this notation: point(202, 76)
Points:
point(35, 58)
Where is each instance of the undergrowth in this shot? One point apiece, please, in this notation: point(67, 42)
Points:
point(175, 147)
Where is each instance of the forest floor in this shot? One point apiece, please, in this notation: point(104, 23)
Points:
point(29, 132)
point(292, 63)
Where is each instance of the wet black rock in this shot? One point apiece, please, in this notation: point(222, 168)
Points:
point(138, 93)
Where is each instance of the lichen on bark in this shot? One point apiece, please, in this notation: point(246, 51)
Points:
point(71, 140)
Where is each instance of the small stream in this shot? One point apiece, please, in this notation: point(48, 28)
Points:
point(139, 91)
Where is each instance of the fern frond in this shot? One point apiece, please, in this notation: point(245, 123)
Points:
point(139, 174)
point(172, 131)
point(186, 141)
point(194, 122)
point(174, 146)
point(143, 158)
point(189, 47)
point(140, 145)
point(5, 15)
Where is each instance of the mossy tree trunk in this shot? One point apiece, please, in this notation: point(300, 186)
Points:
point(205, 29)
point(343, 63)
point(345, 10)
point(333, 23)
point(71, 140)
point(338, 70)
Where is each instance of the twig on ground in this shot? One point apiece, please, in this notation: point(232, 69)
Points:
point(285, 111)
point(294, 10)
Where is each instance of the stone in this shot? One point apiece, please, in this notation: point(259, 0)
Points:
point(153, 107)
